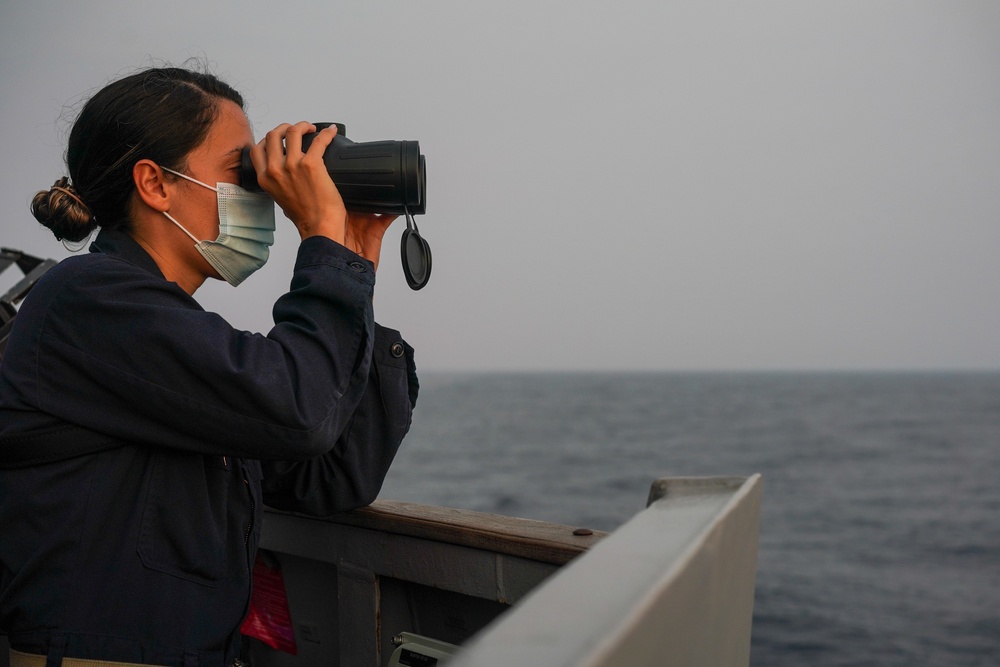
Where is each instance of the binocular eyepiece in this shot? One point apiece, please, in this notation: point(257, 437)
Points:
point(375, 177)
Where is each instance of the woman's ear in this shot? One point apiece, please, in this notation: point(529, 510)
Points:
point(151, 186)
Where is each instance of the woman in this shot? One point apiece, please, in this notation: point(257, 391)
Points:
point(140, 435)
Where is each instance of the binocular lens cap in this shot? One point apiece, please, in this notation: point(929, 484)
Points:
point(416, 259)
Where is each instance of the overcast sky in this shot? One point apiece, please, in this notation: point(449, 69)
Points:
point(611, 185)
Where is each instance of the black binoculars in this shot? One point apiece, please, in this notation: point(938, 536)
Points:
point(371, 176)
point(375, 177)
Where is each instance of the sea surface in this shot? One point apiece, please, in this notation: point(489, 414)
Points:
point(880, 525)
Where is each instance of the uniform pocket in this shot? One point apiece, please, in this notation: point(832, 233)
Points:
point(394, 389)
point(184, 520)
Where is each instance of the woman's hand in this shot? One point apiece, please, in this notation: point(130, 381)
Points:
point(298, 181)
point(365, 232)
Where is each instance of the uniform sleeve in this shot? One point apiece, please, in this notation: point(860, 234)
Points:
point(351, 474)
point(126, 353)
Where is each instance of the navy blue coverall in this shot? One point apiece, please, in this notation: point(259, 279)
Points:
point(141, 550)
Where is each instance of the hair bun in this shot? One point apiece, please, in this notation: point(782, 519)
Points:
point(63, 211)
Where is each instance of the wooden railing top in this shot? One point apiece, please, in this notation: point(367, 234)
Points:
point(526, 538)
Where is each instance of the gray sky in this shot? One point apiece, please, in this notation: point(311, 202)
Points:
point(699, 185)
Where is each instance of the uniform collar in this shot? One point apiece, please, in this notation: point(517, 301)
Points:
point(117, 243)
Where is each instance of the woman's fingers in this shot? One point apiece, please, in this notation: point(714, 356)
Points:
point(321, 141)
point(282, 147)
point(274, 148)
point(293, 142)
point(264, 153)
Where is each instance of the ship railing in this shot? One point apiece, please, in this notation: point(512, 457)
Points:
point(672, 586)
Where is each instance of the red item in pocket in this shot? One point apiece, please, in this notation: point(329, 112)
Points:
point(269, 619)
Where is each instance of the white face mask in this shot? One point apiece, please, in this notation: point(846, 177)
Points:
point(246, 231)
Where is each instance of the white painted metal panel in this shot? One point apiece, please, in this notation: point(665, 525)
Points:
point(673, 586)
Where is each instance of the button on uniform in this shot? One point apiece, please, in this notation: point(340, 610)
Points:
point(358, 266)
point(396, 349)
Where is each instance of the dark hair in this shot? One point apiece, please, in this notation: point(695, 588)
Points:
point(160, 114)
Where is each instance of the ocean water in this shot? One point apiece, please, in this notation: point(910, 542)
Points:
point(880, 524)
